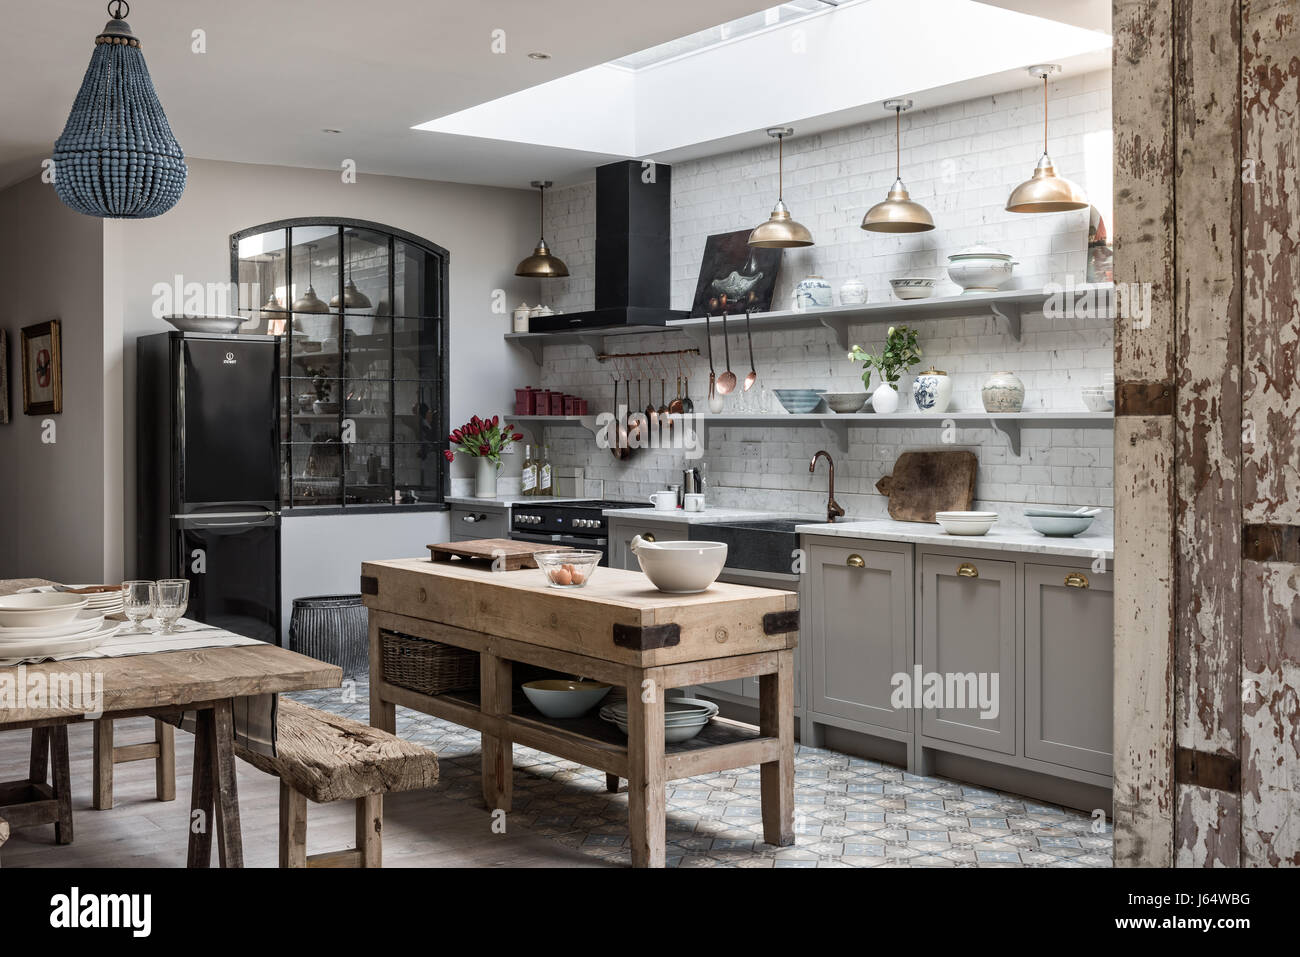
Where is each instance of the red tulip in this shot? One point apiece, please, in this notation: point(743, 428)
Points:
point(448, 455)
point(517, 437)
point(496, 420)
point(485, 449)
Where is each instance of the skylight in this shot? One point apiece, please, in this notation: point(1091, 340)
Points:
point(781, 14)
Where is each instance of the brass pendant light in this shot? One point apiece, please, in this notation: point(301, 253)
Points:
point(541, 264)
point(353, 298)
point(898, 213)
point(310, 302)
point(780, 231)
point(1045, 192)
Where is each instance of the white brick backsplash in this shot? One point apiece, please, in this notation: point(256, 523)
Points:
point(961, 161)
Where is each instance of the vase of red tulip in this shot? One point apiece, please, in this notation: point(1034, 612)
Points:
point(483, 440)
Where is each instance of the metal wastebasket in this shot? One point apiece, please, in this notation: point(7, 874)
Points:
point(332, 628)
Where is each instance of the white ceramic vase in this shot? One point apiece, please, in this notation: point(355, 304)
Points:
point(853, 292)
point(885, 399)
point(485, 477)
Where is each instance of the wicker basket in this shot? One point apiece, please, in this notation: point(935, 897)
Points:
point(429, 667)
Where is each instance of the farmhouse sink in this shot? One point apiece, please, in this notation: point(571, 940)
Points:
point(762, 546)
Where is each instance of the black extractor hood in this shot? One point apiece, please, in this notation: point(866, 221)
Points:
point(633, 251)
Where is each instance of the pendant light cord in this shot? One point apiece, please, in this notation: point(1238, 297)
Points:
point(780, 167)
point(898, 142)
point(1044, 116)
point(541, 213)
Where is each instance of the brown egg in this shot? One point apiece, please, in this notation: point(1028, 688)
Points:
point(579, 578)
point(570, 569)
point(562, 576)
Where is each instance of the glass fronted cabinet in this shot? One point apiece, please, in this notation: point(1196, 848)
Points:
point(360, 310)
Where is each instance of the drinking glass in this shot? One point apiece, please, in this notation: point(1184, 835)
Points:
point(137, 604)
point(170, 596)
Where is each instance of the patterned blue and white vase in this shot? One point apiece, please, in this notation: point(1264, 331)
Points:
point(812, 293)
point(932, 391)
point(1003, 392)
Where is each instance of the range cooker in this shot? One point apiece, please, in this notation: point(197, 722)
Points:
point(576, 524)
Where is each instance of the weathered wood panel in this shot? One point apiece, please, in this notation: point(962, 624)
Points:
point(1207, 430)
point(1270, 122)
point(1143, 108)
point(1270, 787)
point(1144, 644)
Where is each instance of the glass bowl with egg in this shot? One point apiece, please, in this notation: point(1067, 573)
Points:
point(572, 569)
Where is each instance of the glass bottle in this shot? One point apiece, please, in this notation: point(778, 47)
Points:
point(530, 472)
point(544, 486)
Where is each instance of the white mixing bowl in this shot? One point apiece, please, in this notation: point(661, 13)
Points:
point(680, 568)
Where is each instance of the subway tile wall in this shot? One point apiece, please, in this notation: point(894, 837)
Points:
point(961, 161)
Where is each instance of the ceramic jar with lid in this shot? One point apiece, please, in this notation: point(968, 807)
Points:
point(853, 292)
point(1003, 392)
point(932, 391)
point(521, 315)
point(811, 293)
point(980, 268)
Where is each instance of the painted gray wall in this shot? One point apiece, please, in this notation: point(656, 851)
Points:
point(52, 507)
point(486, 230)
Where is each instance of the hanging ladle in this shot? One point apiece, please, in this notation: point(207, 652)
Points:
point(726, 381)
point(676, 407)
point(708, 337)
point(749, 334)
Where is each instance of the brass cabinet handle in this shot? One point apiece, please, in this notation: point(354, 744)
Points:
point(1076, 580)
point(967, 570)
point(855, 561)
point(648, 537)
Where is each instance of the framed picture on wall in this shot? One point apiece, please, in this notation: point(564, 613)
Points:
point(4, 377)
point(745, 274)
point(42, 369)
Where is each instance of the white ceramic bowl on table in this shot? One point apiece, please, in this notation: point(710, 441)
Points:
point(42, 608)
point(1057, 523)
point(966, 523)
point(680, 568)
point(561, 698)
point(684, 718)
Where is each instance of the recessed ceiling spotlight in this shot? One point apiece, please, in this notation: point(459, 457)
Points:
point(539, 56)
point(328, 130)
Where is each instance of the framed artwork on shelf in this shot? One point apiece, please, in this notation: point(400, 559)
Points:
point(42, 369)
point(745, 274)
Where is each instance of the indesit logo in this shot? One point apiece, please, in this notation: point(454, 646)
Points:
point(76, 910)
point(230, 359)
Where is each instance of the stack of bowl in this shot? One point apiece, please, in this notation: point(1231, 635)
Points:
point(684, 718)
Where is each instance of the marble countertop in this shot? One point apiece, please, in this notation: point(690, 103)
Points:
point(711, 514)
point(1009, 538)
point(508, 501)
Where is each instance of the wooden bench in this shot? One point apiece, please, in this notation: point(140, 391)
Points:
point(321, 757)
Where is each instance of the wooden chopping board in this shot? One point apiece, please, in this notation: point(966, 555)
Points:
point(923, 483)
point(513, 555)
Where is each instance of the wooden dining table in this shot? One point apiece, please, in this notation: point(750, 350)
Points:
point(207, 681)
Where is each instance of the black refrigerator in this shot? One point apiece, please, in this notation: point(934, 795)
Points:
point(208, 490)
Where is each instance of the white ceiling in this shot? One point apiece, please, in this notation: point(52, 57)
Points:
point(276, 73)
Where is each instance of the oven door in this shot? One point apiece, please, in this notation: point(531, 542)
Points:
point(573, 541)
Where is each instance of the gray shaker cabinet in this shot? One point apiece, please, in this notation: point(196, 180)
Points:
point(859, 630)
point(968, 627)
point(1068, 666)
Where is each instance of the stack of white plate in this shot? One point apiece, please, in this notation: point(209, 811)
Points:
point(48, 624)
point(103, 598)
point(684, 718)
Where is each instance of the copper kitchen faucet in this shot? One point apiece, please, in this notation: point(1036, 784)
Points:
point(833, 508)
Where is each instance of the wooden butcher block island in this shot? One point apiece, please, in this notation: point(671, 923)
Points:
point(619, 629)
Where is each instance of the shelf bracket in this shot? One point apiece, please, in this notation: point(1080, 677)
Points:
point(838, 431)
point(532, 346)
point(1011, 430)
point(840, 327)
point(1008, 312)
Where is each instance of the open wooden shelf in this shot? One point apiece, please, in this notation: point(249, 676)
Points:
point(1005, 305)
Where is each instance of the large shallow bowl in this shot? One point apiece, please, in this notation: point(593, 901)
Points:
point(42, 608)
point(684, 718)
point(980, 269)
point(561, 698)
point(680, 568)
point(799, 401)
point(1058, 526)
point(966, 523)
point(845, 403)
point(221, 324)
point(571, 569)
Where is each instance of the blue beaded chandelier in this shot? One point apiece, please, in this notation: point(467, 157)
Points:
point(117, 157)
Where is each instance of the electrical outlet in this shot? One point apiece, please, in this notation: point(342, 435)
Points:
point(751, 450)
point(508, 448)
